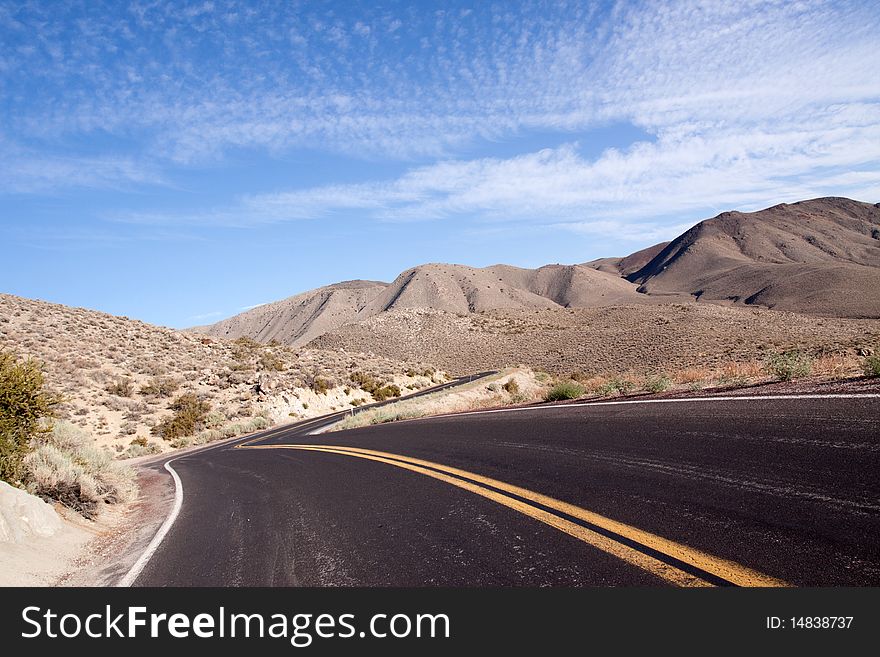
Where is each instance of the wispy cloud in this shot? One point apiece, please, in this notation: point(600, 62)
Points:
point(746, 102)
point(613, 194)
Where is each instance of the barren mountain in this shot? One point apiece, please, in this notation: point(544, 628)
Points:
point(298, 319)
point(460, 289)
point(455, 289)
point(820, 257)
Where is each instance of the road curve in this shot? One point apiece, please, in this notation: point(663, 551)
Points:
point(768, 492)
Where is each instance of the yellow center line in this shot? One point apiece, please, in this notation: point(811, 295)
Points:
point(725, 569)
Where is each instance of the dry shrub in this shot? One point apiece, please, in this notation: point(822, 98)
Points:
point(511, 386)
point(386, 392)
point(66, 467)
point(835, 365)
point(159, 386)
point(692, 375)
point(190, 414)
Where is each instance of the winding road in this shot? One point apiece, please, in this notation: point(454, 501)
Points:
point(770, 491)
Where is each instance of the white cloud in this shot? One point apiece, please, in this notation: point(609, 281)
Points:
point(747, 103)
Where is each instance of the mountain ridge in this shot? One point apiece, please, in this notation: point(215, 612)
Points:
point(819, 256)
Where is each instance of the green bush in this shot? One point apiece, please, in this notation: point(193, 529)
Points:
point(190, 415)
point(386, 392)
point(658, 383)
point(365, 382)
point(616, 385)
point(565, 390)
point(789, 365)
point(23, 403)
point(511, 386)
point(871, 366)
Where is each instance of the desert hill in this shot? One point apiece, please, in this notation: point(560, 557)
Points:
point(299, 319)
point(118, 376)
point(819, 257)
point(455, 289)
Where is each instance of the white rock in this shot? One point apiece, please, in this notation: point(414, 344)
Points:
point(23, 515)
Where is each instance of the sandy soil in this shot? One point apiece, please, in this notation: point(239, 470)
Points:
point(49, 561)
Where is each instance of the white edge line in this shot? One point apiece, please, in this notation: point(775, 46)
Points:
point(142, 561)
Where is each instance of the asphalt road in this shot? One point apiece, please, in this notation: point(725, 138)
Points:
point(741, 492)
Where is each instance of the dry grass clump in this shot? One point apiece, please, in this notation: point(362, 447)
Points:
point(66, 466)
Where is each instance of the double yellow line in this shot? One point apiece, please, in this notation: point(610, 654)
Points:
point(673, 562)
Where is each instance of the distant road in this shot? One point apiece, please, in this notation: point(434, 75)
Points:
point(775, 491)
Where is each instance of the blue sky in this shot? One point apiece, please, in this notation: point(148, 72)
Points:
point(177, 162)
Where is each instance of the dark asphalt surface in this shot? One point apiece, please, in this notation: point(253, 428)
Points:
point(790, 488)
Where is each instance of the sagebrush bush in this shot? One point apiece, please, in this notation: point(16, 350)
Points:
point(658, 383)
point(365, 382)
point(321, 386)
point(190, 415)
point(616, 385)
point(386, 392)
point(789, 365)
point(66, 467)
point(122, 387)
point(23, 403)
point(270, 362)
point(137, 449)
point(160, 386)
point(564, 390)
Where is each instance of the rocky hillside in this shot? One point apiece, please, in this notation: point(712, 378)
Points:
point(118, 377)
point(819, 257)
point(615, 340)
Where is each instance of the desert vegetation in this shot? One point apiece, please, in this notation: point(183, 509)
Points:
point(615, 339)
point(52, 458)
point(522, 385)
point(23, 405)
point(66, 466)
point(138, 389)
